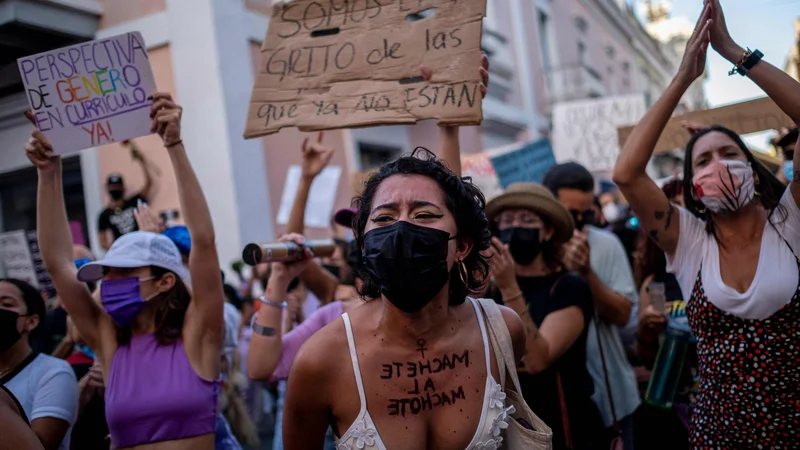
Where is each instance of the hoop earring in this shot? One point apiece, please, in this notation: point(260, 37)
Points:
point(462, 272)
point(702, 211)
point(755, 191)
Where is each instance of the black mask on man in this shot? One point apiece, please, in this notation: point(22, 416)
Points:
point(8, 329)
point(523, 243)
point(409, 262)
point(335, 270)
point(116, 194)
point(587, 218)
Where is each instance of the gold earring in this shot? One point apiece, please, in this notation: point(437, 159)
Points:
point(462, 272)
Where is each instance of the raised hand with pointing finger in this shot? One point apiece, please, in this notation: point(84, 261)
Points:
point(315, 156)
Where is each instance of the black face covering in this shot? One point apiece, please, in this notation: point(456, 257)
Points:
point(409, 262)
point(8, 329)
point(587, 218)
point(523, 243)
point(335, 270)
point(116, 194)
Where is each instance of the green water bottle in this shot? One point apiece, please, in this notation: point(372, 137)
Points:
point(668, 368)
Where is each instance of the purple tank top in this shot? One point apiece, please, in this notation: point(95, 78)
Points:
point(154, 395)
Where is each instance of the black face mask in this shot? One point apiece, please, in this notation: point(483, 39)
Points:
point(8, 329)
point(587, 218)
point(116, 194)
point(523, 243)
point(335, 270)
point(409, 262)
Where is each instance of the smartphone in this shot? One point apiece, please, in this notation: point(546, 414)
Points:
point(525, 424)
point(657, 296)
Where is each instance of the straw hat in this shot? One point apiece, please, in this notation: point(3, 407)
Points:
point(539, 199)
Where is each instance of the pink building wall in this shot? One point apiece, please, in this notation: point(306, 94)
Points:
point(119, 11)
point(116, 158)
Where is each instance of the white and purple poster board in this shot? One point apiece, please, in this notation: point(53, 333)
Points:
point(90, 94)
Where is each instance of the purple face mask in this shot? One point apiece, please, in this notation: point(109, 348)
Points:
point(122, 298)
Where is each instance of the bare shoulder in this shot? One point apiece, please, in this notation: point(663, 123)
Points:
point(515, 329)
point(322, 351)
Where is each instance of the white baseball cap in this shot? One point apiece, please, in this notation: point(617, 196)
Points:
point(137, 249)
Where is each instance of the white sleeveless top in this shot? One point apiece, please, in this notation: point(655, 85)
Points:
point(362, 434)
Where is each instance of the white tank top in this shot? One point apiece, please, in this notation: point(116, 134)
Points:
point(362, 434)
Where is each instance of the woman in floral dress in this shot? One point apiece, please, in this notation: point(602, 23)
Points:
point(734, 253)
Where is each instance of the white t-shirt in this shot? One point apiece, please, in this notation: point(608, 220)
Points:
point(776, 278)
point(47, 388)
point(609, 263)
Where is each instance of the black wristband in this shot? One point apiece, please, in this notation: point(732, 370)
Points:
point(749, 62)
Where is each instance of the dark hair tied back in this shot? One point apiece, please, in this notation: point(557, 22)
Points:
point(462, 198)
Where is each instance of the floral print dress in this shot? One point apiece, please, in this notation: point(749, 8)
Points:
point(749, 391)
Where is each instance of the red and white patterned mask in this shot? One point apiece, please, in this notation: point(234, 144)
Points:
point(725, 186)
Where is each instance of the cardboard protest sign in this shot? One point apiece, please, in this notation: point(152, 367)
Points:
point(586, 131)
point(327, 65)
point(319, 208)
point(527, 164)
point(747, 117)
point(21, 259)
point(92, 93)
point(479, 167)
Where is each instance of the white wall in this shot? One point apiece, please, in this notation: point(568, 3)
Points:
point(199, 87)
point(14, 131)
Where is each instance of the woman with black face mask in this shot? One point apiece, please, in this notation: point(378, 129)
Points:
point(413, 368)
point(44, 386)
point(555, 307)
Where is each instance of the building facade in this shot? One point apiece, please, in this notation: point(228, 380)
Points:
point(793, 59)
point(206, 53)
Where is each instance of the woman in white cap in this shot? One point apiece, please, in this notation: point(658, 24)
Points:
point(555, 307)
point(162, 388)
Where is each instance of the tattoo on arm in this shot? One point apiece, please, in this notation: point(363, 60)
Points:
point(796, 177)
point(666, 216)
point(669, 217)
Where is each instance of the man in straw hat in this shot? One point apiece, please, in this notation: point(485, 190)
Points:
point(600, 257)
point(555, 307)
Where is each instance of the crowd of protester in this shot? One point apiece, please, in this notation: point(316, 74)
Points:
point(592, 304)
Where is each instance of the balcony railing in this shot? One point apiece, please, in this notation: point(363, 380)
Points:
point(503, 66)
point(576, 82)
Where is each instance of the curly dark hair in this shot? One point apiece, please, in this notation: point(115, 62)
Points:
point(770, 188)
point(170, 311)
point(462, 198)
